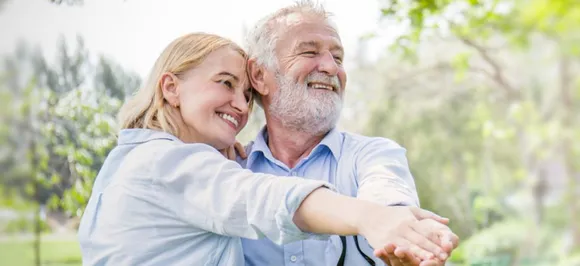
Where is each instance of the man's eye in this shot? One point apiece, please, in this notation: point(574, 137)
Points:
point(309, 53)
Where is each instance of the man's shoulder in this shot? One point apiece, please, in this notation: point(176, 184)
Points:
point(359, 141)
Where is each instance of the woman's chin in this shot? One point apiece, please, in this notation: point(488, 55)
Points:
point(225, 143)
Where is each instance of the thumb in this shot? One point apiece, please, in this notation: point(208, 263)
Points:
point(422, 214)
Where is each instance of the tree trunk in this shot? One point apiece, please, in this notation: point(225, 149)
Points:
point(37, 237)
point(37, 222)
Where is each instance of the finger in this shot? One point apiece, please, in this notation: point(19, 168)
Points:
point(438, 234)
point(385, 252)
point(224, 152)
point(406, 256)
point(449, 241)
point(232, 153)
point(418, 237)
point(405, 246)
point(393, 259)
point(240, 150)
point(432, 263)
point(422, 214)
point(435, 231)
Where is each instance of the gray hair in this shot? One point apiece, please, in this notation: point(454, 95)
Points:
point(262, 39)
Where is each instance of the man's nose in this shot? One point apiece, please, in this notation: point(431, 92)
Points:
point(328, 64)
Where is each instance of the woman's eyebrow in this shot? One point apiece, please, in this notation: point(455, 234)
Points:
point(225, 73)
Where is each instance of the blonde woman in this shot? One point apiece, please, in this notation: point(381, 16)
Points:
point(166, 195)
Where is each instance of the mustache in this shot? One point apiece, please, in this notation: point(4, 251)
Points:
point(323, 78)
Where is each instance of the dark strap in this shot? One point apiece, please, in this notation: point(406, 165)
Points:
point(343, 253)
point(369, 260)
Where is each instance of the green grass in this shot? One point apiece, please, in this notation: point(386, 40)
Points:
point(54, 252)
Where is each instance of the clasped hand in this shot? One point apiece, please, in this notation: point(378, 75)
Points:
point(409, 236)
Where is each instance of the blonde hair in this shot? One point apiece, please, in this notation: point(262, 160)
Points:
point(148, 108)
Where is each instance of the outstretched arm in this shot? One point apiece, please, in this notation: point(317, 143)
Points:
point(216, 194)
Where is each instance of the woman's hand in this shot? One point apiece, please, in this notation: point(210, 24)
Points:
point(436, 231)
point(231, 151)
point(419, 236)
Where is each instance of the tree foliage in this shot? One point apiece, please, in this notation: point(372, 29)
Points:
point(485, 100)
point(60, 121)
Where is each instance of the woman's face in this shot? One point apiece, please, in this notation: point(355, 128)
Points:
point(212, 98)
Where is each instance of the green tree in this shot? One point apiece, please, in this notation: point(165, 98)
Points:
point(486, 104)
point(62, 120)
point(59, 123)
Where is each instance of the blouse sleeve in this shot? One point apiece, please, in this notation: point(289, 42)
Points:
point(210, 192)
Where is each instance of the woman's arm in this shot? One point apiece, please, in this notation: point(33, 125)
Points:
point(215, 194)
point(326, 212)
point(208, 191)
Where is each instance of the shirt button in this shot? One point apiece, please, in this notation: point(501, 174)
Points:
point(293, 173)
point(293, 258)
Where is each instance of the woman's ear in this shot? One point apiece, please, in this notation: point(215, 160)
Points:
point(168, 84)
point(256, 74)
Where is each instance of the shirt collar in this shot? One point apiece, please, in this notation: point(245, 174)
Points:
point(141, 135)
point(332, 141)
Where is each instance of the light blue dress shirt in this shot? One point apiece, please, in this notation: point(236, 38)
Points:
point(159, 201)
point(369, 168)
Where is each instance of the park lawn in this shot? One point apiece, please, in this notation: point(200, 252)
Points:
point(54, 252)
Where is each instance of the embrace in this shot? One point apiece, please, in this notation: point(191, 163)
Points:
point(178, 190)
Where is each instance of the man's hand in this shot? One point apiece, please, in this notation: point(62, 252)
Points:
point(231, 151)
point(400, 226)
point(436, 232)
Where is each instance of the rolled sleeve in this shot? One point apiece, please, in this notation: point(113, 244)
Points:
point(210, 192)
point(284, 216)
point(384, 176)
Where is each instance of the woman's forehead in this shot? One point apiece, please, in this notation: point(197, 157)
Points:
point(226, 59)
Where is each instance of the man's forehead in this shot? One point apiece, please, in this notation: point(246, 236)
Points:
point(301, 31)
point(292, 21)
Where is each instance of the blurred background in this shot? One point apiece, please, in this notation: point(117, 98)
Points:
point(484, 94)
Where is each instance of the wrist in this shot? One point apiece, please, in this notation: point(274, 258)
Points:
point(364, 217)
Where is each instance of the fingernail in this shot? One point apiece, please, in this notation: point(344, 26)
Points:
point(443, 256)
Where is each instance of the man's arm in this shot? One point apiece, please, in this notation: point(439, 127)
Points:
point(383, 174)
point(384, 177)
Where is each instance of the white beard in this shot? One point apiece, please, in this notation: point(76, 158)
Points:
point(313, 111)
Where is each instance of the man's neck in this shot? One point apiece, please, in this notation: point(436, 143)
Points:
point(290, 146)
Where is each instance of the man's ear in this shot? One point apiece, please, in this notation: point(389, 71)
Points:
point(256, 74)
point(168, 84)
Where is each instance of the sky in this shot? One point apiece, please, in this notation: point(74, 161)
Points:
point(134, 32)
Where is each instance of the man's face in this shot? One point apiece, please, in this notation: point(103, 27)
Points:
point(308, 86)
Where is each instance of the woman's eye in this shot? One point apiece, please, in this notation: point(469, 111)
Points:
point(227, 83)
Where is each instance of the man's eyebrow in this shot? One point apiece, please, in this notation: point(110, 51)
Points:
point(314, 44)
point(337, 48)
point(308, 44)
point(225, 73)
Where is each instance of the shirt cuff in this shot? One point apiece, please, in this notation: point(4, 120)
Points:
point(285, 214)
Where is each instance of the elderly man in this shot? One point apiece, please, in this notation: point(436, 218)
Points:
point(296, 69)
